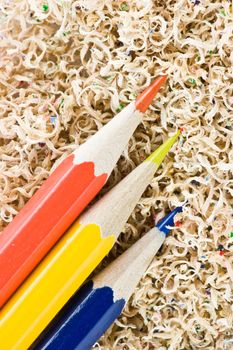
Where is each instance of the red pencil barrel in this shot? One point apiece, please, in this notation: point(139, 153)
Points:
point(47, 215)
point(43, 220)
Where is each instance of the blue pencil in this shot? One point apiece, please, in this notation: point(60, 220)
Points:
point(99, 302)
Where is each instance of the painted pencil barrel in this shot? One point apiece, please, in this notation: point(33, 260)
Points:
point(60, 200)
point(74, 257)
point(92, 310)
point(53, 282)
point(43, 220)
point(97, 304)
point(63, 196)
point(88, 314)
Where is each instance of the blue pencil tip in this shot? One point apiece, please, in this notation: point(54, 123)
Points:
point(168, 220)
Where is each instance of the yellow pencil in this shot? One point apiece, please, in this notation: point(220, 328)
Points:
point(75, 256)
point(65, 194)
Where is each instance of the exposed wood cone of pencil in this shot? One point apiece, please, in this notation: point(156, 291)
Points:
point(63, 196)
point(74, 257)
point(98, 303)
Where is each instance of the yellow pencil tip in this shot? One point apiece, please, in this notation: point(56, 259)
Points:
point(160, 153)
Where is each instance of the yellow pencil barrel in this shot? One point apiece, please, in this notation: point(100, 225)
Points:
point(73, 259)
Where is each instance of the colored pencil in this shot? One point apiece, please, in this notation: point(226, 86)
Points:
point(98, 303)
point(74, 257)
point(67, 191)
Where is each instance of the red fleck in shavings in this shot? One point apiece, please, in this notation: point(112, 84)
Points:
point(178, 223)
point(23, 84)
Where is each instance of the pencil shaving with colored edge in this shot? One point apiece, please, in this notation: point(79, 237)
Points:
point(117, 48)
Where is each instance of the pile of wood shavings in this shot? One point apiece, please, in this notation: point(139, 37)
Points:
point(66, 68)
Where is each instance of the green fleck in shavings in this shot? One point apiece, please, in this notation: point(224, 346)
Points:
point(231, 234)
point(45, 7)
point(66, 33)
point(124, 6)
point(192, 81)
point(62, 103)
point(110, 78)
point(122, 105)
point(210, 52)
point(198, 58)
point(223, 13)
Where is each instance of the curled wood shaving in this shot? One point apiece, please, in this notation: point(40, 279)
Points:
point(66, 67)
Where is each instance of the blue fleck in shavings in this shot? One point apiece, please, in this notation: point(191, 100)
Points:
point(53, 119)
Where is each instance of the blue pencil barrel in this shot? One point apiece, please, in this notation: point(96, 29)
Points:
point(82, 321)
point(89, 313)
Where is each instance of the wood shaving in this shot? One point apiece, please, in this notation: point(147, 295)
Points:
point(66, 68)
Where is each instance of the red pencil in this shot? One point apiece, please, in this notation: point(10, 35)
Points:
point(67, 191)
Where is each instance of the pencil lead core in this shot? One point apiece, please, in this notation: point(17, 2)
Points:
point(144, 99)
point(168, 220)
point(160, 153)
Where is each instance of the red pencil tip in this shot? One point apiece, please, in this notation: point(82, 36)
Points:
point(144, 99)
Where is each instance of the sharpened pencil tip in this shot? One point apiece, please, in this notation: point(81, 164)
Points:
point(144, 99)
point(160, 153)
point(168, 220)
